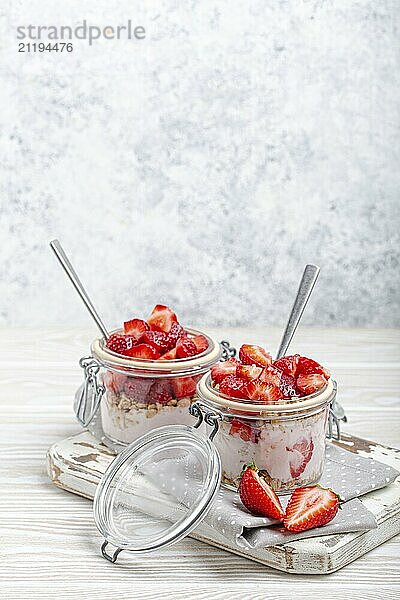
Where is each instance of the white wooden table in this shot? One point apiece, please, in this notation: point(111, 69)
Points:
point(49, 544)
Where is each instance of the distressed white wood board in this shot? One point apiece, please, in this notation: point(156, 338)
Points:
point(76, 464)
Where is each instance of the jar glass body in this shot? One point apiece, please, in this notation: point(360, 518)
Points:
point(288, 444)
point(142, 395)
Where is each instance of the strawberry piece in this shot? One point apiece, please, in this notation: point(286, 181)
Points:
point(158, 339)
point(254, 355)
point(136, 328)
point(137, 388)
point(175, 333)
point(183, 386)
point(233, 386)
point(308, 366)
point(248, 372)
point(309, 384)
point(223, 369)
point(161, 318)
point(258, 497)
point(170, 355)
point(299, 456)
point(287, 364)
point(143, 351)
point(185, 348)
point(244, 430)
point(262, 391)
point(114, 381)
point(288, 387)
point(200, 341)
point(271, 374)
point(310, 507)
point(120, 344)
point(160, 392)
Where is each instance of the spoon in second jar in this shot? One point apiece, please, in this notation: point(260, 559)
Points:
point(70, 271)
point(308, 280)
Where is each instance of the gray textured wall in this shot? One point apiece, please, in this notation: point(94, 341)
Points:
point(205, 165)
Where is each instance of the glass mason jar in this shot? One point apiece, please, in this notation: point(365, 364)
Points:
point(123, 398)
point(284, 439)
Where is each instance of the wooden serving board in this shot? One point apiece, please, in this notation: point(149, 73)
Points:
point(76, 464)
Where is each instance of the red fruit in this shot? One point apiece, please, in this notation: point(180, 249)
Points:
point(120, 344)
point(248, 372)
point(244, 430)
point(262, 391)
point(309, 384)
point(158, 339)
point(200, 341)
point(223, 369)
point(310, 507)
point(288, 387)
point(176, 332)
point(183, 386)
point(308, 366)
point(137, 388)
point(136, 328)
point(161, 318)
point(258, 497)
point(300, 455)
point(185, 348)
point(287, 364)
point(114, 381)
point(271, 374)
point(170, 355)
point(160, 392)
point(233, 386)
point(143, 351)
point(254, 355)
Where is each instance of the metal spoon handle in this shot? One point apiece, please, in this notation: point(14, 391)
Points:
point(70, 271)
point(307, 283)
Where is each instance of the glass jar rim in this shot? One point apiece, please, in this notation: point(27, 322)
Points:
point(200, 362)
point(241, 407)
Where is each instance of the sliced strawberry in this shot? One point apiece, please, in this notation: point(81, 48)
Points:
point(160, 392)
point(170, 355)
point(271, 374)
point(183, 386)
point(254, 355)
point(120, 344)
point(308, 366)
point(310, 507)
point(288, 387)
point(262, 391)
point(185, 348)
point(258, 497)
point(287, 364)
point(143, 351)
point(176, 332)
point(200, 341)
point(161, 318)
point(233, 386)
point(248, 372)
point(300, 455)
point(244, 430)
point(158, 339)
point(309, 384)
point(223, 369)
point(114, 381)
point(137, 388)
point(136, 328)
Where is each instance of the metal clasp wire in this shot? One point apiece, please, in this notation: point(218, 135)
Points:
point(212, 418)
point(91, 393)
point(336, 414)
point(228, 351)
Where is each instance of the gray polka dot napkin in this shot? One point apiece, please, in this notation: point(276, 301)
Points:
point(349, 475)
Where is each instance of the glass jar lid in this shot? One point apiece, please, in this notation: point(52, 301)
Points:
point(157, 490)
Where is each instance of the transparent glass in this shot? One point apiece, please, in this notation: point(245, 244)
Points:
point(289, 446)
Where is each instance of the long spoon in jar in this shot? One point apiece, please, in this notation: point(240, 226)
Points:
point(308, 280)
point(70, 271)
